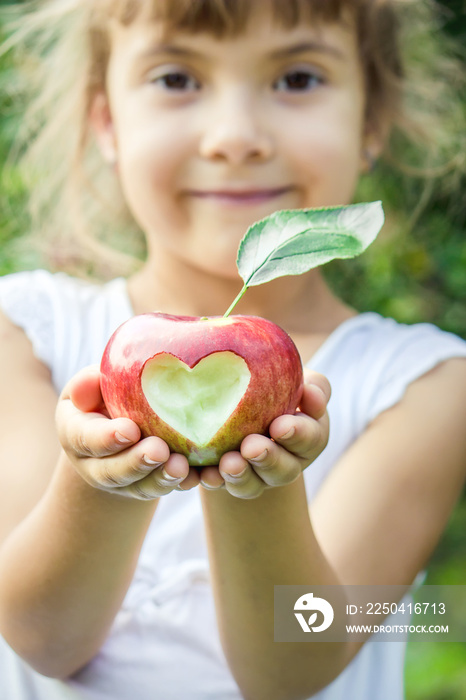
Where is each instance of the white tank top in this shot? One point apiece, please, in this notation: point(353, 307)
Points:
point(164, 644)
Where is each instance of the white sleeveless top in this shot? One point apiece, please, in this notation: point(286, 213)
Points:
point(164, 644)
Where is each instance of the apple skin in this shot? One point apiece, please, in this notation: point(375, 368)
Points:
point(275, 385)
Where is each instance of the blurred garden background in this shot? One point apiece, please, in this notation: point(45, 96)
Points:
point(416, 271)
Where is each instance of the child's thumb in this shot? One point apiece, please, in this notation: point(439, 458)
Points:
point(84, 390)
point(316, 395)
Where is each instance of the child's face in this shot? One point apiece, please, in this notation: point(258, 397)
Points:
point(211, 135)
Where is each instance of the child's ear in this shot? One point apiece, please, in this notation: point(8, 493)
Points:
point(375, 138)
point(100, 118)
point(372, 146)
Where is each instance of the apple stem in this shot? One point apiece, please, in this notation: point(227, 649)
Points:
point(232, 306)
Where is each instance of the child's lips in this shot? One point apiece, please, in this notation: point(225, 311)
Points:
point(238, 197)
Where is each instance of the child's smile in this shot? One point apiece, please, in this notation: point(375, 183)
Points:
point(211, 135)
point(241, 195)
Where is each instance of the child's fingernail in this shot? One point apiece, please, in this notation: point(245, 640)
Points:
point(122, 439)
point(288, 435)
point(260, 458)
point(150, 462)
point(170, 478)
point(233, 477)
point(318, 390)
point(209, 487)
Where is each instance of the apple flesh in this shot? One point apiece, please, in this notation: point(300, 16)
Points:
point(201, 384)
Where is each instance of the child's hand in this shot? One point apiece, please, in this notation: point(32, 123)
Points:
point(297, 441)
point(108, 453)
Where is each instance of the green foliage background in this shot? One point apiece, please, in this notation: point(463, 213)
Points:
point(414, 272)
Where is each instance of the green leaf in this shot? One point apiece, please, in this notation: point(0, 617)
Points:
point(293, 242)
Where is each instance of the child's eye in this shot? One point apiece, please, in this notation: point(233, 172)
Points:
point(175, 80)
point(298, 81)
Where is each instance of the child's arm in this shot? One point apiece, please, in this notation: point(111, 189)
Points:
point(67, 550)
point(376, 520)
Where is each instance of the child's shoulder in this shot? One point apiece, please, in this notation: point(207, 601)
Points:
point(370, 339)
point(18, 285)
point(371, 360)
point(67, 320)
point(40, 292)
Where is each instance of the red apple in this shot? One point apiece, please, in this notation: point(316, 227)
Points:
point(201, 384)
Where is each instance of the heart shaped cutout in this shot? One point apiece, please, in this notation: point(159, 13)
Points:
point(195, 401)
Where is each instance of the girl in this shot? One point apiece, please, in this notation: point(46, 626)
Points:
point(124, 573)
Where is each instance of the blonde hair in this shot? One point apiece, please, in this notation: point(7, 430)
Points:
point(412, 75)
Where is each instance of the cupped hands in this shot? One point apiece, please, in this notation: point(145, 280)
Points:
point(109, 454)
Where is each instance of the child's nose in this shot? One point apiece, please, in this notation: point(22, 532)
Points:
point(235, 131)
